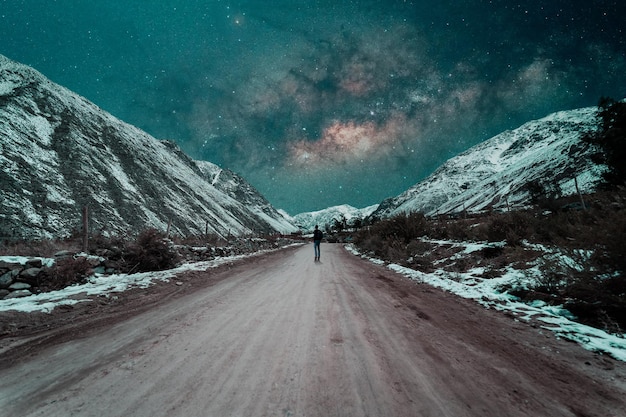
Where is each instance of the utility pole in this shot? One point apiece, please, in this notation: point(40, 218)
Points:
point(85, 228)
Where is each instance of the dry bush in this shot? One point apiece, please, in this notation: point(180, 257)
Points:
point(457, 229)
point(395, 251)
point(512, 227)
point(65, 272)
point(150, 252)
point(370, 243)
point(404, 226)
point(599, 302)
point(611, 256)
point(593, 288)
point(394, 239)
point(573, 280)
point(110, 247)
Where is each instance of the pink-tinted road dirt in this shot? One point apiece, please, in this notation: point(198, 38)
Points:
point(281, 335)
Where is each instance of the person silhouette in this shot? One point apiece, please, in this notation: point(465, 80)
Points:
point(317, 239)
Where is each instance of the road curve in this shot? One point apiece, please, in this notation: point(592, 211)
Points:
point(287, 336)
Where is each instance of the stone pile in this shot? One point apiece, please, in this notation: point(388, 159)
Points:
point(19, 279)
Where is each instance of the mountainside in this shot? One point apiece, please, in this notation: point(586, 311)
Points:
point(328, 217)
point(497, 173)
point(59, 152)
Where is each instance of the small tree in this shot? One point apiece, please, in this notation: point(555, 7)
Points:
point(610, 140)
point(338, 225)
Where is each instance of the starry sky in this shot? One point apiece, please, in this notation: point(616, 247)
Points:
point(324, 102)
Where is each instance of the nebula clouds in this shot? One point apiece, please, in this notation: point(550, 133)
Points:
point(318, 103)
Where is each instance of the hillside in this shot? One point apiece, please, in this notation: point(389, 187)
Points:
point(328, 217)
point(497, 172)
point(60, 152)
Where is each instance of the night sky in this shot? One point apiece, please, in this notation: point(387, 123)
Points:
point(320, 103)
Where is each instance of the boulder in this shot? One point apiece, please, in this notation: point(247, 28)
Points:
point(18, 294)
point(30, 273)
point(9, 265)
point(7, 279)
point(17, 286)
point(34, 263)
point(4, 293)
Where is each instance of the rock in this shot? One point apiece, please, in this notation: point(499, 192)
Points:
point(4, 293)
point(30, 273)
point(34, 263)
point(18, 294)
point(9, 265)
point(63, 254)
point(30, 276)
point(17, 286)
point(7, 279)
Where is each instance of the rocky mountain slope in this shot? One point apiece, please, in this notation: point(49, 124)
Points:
point(328, 217)
point(60, 152)
point(497, 173)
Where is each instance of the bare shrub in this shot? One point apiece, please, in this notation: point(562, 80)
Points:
point(586, 272)
point(512, 227)
point(396, 251)
point(615, 244)
point(458, 230)
point(404, 226)
point(150, 252)
point(599, 302)
point(65, 272)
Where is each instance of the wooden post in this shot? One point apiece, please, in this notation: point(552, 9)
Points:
point(169, 225)
point(85, 228)
point(206, 228)
point(582, 201)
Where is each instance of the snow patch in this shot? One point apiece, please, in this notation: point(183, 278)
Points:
point(487, 293)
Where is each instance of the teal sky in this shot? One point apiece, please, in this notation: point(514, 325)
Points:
point(319, 103)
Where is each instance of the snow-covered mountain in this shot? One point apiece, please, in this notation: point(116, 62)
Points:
point(328, 217)
point(60, 152)
point(496, 173)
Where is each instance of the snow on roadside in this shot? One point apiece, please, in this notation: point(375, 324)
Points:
point(23, 259)
point(486, 292)
point(104, 285)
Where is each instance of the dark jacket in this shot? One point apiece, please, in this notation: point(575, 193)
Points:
point(318, 235)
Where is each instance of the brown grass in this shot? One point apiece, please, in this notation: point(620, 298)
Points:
point(595, 290)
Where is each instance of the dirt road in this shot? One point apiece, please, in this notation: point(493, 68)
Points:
point(284, 336)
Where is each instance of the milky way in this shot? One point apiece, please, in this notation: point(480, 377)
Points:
point(318, 103)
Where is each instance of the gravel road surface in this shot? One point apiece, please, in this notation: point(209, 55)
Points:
point(282, 335)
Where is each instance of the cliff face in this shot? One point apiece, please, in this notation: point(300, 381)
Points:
point(59, 153)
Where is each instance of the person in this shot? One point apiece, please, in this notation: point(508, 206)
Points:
point(317, 239)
